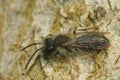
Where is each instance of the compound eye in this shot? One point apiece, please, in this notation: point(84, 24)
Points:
point(48, 41)
point(49, 45)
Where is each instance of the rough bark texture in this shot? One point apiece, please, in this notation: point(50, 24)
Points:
point(27, 21)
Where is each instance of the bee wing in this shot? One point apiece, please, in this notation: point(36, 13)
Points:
point(72, 44)
point(94, 41)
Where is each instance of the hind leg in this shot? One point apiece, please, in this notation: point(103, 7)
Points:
point(95, 29)
point(50, 57)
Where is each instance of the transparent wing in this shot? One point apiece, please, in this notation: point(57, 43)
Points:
point(89, 41)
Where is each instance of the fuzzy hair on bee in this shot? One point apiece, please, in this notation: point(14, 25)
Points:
point(90, 40)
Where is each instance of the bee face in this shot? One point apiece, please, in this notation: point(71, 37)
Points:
point(48, 45)
point(49, 48)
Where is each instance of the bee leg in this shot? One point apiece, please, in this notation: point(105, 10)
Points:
point(90, 28)
point(68, 55)
point(94, 32)
point(95, 27)
point(85, 30)
point(52, 56)
point(31, 60)
point(117, 59)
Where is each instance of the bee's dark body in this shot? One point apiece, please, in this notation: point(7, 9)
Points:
point(88, 41)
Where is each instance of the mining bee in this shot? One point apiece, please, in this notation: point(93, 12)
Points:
point(92, 40)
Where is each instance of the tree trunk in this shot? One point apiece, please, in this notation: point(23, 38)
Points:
point(23, 22)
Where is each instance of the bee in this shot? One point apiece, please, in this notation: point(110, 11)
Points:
point(90, 40)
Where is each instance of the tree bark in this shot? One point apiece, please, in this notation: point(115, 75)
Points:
point(23, 22)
